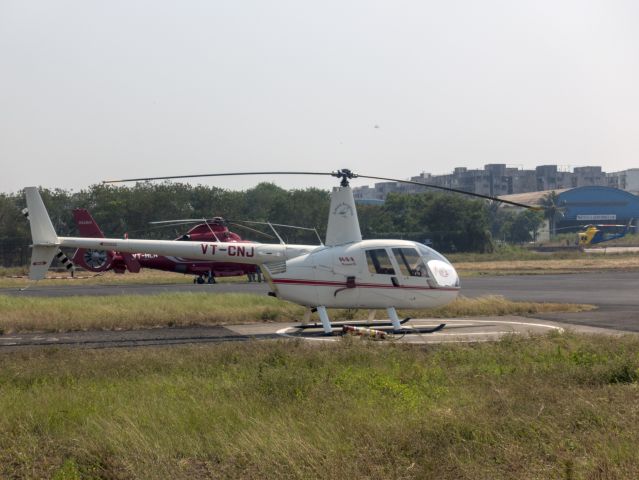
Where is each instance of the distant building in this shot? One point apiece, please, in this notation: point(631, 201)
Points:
point(597, 205)
point(498, 179)
point(585, 205)
point(627, 180)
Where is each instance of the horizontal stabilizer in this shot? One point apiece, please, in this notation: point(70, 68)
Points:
point(41, 258)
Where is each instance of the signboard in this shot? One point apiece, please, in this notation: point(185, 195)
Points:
point(597, 217)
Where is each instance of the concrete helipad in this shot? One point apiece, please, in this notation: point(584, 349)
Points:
point(458, 330)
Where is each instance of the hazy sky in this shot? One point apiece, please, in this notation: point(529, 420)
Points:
point(91, 90)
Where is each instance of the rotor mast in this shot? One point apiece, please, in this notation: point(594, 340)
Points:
point(343, 224)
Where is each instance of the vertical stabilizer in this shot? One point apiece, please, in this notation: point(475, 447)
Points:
point(42, 231)
point(86, 225)
point(343, 225)
point(43, 236)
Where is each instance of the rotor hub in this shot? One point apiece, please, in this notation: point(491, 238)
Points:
point(345, 175)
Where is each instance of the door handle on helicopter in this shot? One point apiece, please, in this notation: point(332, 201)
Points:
point(350, 283)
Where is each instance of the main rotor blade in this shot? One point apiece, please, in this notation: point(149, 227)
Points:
point(178, 221)
point(177, 224)
point(345, 174)
point(170, 177)
point(607, 225)
point(275, 224)
point(574, 227)
point(448, 189)
point(252, 230)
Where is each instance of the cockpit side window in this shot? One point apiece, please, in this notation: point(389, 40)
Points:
point(410, 263)
point(379, 262)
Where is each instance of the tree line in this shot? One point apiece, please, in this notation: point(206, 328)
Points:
point(446, 221)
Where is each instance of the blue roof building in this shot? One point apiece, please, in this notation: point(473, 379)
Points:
point(597, 204)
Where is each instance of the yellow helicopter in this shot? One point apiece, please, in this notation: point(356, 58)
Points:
point(593, 234)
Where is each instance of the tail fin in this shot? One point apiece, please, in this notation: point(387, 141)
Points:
point(90, 259)
point(99, 261)
point(87, 226)
point(43, 236)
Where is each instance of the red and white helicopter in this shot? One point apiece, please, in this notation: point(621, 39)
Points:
point(345, 272)
point(212, 230)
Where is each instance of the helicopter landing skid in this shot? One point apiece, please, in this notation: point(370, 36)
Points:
point(384, 325)
point(354, 324)
point(420, 330)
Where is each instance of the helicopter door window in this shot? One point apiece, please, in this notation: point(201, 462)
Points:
point(410, 263)
point(379, 262)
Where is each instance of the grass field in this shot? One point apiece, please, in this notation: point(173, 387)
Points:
point(146, 276)
point(559, 406)
point(56, 314)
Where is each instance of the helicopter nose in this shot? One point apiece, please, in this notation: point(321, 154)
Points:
point(444, 274)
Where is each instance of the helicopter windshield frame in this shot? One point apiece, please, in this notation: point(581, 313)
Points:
point(428, 254)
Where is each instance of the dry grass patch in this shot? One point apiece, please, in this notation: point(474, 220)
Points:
point(145, 277)
point(549, 265)
point(58, 314)
point(138, 311)
point(490, 305)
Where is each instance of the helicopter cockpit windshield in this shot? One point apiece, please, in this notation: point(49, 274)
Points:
point(428, 253)
point(440, 269)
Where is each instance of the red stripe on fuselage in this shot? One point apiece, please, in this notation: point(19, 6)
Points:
point(321, 283)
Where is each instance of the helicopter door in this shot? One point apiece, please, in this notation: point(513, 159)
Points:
point(412, 270)
point(380, 267)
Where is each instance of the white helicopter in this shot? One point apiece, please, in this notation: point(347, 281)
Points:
point(345, 272)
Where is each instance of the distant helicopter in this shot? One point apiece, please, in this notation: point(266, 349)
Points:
point(594, 234)
point(213, 230)
point(345, 272)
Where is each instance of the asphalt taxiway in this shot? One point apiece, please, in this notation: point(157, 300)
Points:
point(615, 293)
point(464, 330)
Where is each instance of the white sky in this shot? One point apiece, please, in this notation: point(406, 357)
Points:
point(91, 90)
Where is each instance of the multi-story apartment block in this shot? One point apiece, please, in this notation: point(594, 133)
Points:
point(499, 179)
point(627, 180)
